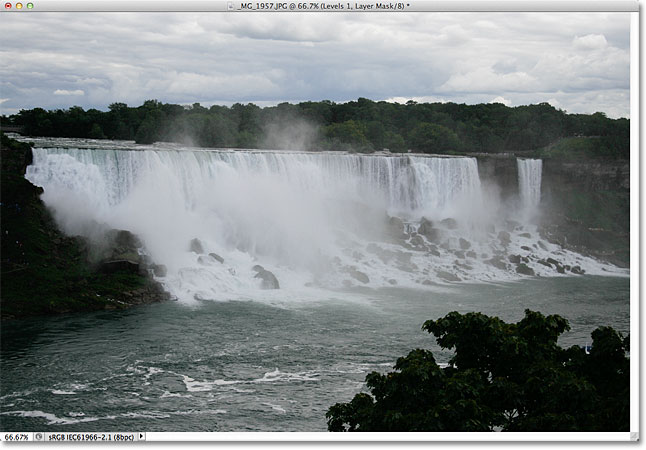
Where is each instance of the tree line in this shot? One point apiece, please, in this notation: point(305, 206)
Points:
point(363, 126)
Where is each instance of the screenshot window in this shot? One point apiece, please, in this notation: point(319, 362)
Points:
point(292, 221)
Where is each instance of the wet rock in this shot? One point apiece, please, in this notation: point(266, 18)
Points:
point(560, 269)
point(396, 227)
point(504, 237)
point(447, 276)
point(526, 248)
point(514, 259)
point(524, 259)
point(472, 254)
point(434, 252)
point(119, 265)
point(357, 275)
point(459, 254)
point(464, 244)
point(427, 230)
point(449, 223)
point(417, 241)
point(553, 261)
point(159, 270)
point(269, 280)
point(524, 269)
point(392, 282)
point(542, 245)
point(577, 270)
point(525, 235)
point(497, 262)
point(217, 257)
point(196, 246)
point(545, 263)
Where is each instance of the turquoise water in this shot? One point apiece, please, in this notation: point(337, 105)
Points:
point(252, 366)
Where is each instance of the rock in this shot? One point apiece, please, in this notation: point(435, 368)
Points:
point(434, 252)
point(524, 269)
point(497, 262)
point(459, 254)
point(449, 223)
point(417, 241)
point(159, 270)
point(525, 235)
point(464, 244)
point(357, 275)
point(196, 246)
point(514, 259)
point(553, 261)
point(269, 280)
point(560, 269)
point(545, 263)
point(577, 270)
point(472, 254)
point(447, 276)
point(504, 237)
point(426, 229)
point(396, 227)
point(392, 281)
point(542, 245)
point(119, 265)
point(526, 248)
point(217, 257)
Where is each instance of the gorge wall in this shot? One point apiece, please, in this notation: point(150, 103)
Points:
point(585, 205)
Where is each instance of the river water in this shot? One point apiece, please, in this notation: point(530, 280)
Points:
point(253, 366)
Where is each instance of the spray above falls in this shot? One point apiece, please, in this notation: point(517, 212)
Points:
point(225, 222)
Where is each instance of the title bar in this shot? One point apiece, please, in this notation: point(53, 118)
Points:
point(31, 6)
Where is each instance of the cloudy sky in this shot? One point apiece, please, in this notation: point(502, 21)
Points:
point(577, 62)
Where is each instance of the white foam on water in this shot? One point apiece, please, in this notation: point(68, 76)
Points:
point(317, 221)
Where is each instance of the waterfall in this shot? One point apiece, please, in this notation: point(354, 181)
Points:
point(529, 183)
point(293, 212)
point(314, 220)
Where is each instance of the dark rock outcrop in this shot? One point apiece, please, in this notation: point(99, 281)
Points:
point(269, 280)
point(46, 272)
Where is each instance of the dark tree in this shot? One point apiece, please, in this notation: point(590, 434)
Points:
point(509, 377)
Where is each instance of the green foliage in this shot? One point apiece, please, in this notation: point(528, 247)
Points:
point(362, 125)
point(598, 147)
point(44, 271)
point(509, 377)
point(433, 138)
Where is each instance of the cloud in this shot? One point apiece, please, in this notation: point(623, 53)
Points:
point(66, 92)
point(582, 60)
point(502, 100)
point(590, 42)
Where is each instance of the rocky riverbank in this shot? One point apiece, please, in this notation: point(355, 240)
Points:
point(45, 272)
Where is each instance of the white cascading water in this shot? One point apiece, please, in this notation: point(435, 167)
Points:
point(315, 220)
point(529, 184)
